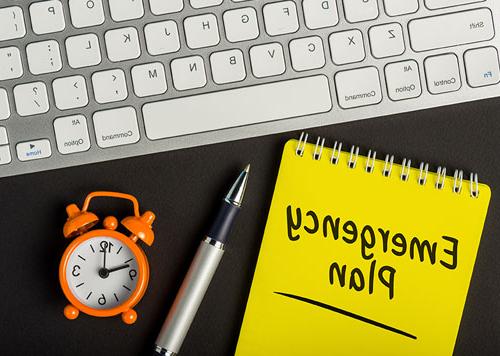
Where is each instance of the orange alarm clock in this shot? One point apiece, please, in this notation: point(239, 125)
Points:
point(103, 272)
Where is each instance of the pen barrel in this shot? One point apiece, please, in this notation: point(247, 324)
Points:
point(189, 297)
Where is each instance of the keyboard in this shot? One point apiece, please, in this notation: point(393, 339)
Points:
point(85, 81)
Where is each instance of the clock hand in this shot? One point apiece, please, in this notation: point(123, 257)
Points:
point(104, 246)
point(118, 268)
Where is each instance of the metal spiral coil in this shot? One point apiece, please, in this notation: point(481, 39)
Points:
point(353, 158)
point(423, 169)
point(389, 162)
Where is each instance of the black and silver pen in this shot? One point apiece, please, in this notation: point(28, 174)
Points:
point(200, 272)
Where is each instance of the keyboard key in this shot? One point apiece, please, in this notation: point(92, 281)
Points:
point(109, 86)
point(5, 157)
point(453, 29)
point(403, 80)
point(123, 10)
point(11, 23)
point(442, 73)
point(161, 7)
point(31, 99)
point(347, 47)
point(188, 73)
point(70, 92)
point(162, 37)
point(400, 7)
point(307, 53)
point(241, 24)
point(32, 150)
point(44, 57)
point(4, 105)
point(122, 44)
point(149, 79)
point(116, 127)
point(3, 136)
point(267, 60)
point(201, 31)
point(387, 40)
point(439, 4)
point(281, 18)
point(11, 66)
point(83, 51)
point(360, 10)
point(358, 87)
point(228, 66)
point(86, 13)
point(72, 134)
point(198, 4)
point(47, 17)
point(482, 66)
point(320, 13)
point(242, 106)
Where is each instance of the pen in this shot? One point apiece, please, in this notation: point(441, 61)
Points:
point(200, 273)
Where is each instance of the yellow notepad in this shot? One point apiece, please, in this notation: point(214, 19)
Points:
point(362, 263)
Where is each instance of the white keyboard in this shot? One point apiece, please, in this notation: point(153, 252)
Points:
point(84, 81)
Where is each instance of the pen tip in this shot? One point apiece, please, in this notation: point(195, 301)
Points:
point(237, 191)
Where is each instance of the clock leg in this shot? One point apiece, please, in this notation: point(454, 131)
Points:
point(129, 317)
point(71, 312)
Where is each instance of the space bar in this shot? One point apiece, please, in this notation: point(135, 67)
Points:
point(237, 107)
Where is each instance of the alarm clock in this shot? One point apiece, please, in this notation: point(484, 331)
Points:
point(104, 272)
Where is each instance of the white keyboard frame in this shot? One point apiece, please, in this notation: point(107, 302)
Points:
point(41, 126)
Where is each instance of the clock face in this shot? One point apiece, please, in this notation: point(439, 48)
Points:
point(102, 272)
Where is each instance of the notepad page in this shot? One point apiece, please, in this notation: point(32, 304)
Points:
point(356, 263)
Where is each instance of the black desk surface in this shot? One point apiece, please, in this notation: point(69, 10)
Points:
point(183, 187)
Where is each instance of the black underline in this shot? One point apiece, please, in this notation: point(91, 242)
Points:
point(348, 313)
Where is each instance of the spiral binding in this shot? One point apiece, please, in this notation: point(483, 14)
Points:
point(388, 165)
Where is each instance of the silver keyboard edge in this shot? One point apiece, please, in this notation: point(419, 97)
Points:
point(23, 128)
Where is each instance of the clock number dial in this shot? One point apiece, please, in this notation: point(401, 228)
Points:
point(102, 272)
point(102, 299)
point(106, 246)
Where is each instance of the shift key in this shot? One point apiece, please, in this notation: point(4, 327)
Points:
point(453, 29)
